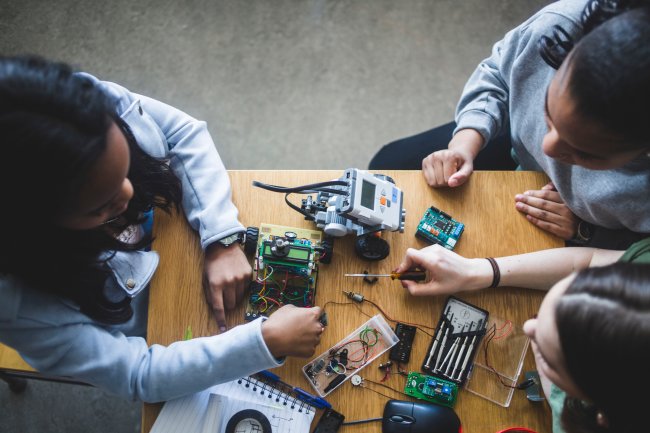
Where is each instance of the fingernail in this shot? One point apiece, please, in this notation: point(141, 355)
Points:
point(519, 197)
point(519, 205)
point(222, 329)
point(527, 192)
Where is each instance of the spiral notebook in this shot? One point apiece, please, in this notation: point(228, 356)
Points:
point(243, 405)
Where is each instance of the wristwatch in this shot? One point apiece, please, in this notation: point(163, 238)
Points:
point(239, 237)
point(584, 233)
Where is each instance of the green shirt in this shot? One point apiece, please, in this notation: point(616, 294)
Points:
point(637, 253)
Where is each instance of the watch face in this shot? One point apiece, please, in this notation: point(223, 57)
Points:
point(585, 230)
point(229, 240)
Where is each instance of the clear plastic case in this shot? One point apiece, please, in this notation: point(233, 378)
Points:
point(332, 368)
point(493, 377)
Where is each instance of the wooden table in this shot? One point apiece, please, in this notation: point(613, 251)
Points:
point(493, 228)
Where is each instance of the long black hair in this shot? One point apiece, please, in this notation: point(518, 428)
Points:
point(610, 66)
point(54, 125)
point(603, 322)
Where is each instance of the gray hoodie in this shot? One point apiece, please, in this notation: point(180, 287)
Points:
point(508, 89)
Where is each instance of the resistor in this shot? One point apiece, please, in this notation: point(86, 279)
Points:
point(356, 297)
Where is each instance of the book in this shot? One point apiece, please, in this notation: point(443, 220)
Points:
point(259, 404)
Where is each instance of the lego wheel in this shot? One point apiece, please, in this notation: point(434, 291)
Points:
point(328, 248)
point(252, 233)
point(371, 248)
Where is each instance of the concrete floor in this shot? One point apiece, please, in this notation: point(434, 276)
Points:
point(295, 84)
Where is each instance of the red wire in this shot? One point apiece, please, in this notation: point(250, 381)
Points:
point(274, 301)
point(506, 333)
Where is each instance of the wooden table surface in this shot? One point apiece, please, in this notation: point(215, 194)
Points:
point(493, 228)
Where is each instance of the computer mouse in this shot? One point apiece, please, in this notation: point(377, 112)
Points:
point(415, 417)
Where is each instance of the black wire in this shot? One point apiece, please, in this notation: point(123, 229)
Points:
point(362, 421)
point(311, 186)
point(382, 384)
point(307, 215)
point(380, 393)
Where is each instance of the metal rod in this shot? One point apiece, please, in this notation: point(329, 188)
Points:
point(434, 345)
point(467, 356)
point(442, 346)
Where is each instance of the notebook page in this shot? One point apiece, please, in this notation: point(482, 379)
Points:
point(262, 393)
point(226, 414)
point(182, 415)
point(188, 414)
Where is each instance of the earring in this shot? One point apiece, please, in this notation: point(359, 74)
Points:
point(601, 419)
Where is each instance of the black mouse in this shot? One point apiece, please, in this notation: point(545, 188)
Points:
point(415, 417)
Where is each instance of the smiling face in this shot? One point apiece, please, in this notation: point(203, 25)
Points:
point(545, 341)
point(107, 191)
point(573, 138)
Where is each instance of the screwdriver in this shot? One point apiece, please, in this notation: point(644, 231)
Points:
point(408, 275)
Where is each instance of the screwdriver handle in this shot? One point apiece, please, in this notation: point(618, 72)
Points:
point(410, 275)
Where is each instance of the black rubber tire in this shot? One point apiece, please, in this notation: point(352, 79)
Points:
point(371, 248)
point(328, 249)
point(252, 234)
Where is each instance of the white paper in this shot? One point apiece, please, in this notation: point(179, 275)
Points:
point(211, 410)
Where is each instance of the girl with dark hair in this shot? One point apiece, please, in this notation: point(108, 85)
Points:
point(580, 334)
point(583, 125)
point(586, 325)
point(84, 162)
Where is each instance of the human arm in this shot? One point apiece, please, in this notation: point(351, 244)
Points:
point(482, 111)
point(449, 272)
point(166, 132)
point(453, 166)
point(129, 368)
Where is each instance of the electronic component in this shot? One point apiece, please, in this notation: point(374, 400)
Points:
point(359, 203)
point(329, 422)
point(534, 391)
point(340, 377)
point(356, 297)
point(455, 341)
point(401, 352)
point(436, 227)
point(285, 268)
point(343, 360)
point(431, 389)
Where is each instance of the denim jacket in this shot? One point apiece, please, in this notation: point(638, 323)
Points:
point(54, 337)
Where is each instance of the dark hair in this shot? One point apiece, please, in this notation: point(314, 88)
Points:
point(603, 323)
point(610, 66)
point(54, 125)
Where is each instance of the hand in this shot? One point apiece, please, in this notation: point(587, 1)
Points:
point(448, 272)
point(453, 166)
point(546, 210)
point(293, 331)
point(227, 274)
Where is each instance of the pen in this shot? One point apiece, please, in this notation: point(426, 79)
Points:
point(301, 394)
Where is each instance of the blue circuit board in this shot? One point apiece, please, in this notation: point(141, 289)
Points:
point(436, 227)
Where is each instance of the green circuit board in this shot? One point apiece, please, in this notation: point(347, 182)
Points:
point(436, 227)
point(432, 389)
point(286, 277)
